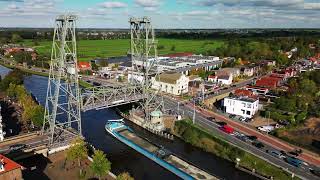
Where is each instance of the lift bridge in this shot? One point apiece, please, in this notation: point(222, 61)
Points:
point(66, 100)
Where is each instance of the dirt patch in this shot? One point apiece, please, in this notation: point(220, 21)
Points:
point(304, 135)
point(62, 169)
point(261, 121)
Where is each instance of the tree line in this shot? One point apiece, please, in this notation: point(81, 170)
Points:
point(12, 84)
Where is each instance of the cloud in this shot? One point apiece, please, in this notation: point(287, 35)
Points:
point(148, 3)
point(114, 4)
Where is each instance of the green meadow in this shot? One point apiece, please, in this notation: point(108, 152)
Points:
point(89, 49)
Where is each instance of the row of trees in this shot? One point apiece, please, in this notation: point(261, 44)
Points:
point(263, 48)
point(12, 84)
point(301, 100)
point(100, 165)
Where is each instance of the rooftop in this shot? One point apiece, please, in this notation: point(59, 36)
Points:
point(8, 164)
point(170, 78)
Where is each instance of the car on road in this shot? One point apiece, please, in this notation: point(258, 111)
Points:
point(211, 118)
point(258, 144)
point(315, 172)
point(252, 138)
point(277, 154)
point(232, 116)
point(293, 161)
point(17, 147)
point(227, 129)
point(43, 70)
point(221, 123)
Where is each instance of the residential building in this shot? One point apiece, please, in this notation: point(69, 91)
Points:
point(9, 169)
point(225, 79)
point(83, 66)
point(270, 82)
point(258, 90)
point(212, 78)
point(175, 83)
point(249, 70)
point(235, 72)
point(242, 106)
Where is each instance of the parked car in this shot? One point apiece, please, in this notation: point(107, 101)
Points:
point(293, 161)
point(232, 116)
point(258, 144)
point(17, 147)
point(266, 129)
point(294, 153)
point(242, 119)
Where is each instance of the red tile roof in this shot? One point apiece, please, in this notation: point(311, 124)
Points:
point(268, 82)
point(85, 65)
point(9, 165)
point(244, 92)
point(212, 76)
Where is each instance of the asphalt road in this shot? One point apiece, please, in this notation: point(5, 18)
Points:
point(303, 172)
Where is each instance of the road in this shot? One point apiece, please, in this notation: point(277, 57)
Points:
point(202, 120)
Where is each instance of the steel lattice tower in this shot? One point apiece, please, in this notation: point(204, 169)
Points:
point(144, 60)
point(62, 109)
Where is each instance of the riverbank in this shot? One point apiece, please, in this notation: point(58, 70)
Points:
point(81, 83)
point(206, 141)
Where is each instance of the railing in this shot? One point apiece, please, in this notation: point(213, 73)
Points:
point(101, 97)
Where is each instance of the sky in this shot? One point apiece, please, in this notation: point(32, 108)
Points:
point(198, 14)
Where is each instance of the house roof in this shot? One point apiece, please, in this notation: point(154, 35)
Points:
point(244, 92)
point(83, 64)
point(9, 165)
point(226, 77)
point(169, 78)
point(212, 76)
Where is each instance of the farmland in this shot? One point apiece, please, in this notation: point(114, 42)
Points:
point(89, 49)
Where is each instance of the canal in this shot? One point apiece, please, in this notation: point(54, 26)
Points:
point(124, 158)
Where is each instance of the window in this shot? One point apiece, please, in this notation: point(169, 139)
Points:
point(243, 111)
point(248, 113)
point(248, 105)
point(243, 104)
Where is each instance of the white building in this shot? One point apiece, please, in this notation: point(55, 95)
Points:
point(242, 106)
point(225, 79)
point(175, 83)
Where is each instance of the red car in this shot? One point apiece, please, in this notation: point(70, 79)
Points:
point(227, 129)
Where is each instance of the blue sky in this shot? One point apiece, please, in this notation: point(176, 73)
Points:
point(165, 13)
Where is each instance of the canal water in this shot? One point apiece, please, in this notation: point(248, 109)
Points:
point(124, 158)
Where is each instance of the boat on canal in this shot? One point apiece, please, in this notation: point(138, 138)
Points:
point(163, 157)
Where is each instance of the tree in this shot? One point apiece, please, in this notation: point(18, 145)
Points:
point(124, 176)
point(173, 48)
point(94, 66)
point(16, 38)
point(100, 164)
point(77, 151)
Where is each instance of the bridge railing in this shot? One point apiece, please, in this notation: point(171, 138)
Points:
point(100, 97)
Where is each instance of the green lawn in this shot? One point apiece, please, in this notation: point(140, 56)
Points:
point(89, 49)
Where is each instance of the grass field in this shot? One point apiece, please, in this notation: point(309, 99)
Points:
point(89, 49)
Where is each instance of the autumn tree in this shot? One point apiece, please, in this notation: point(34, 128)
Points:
point(100, 164)
point(124, 176)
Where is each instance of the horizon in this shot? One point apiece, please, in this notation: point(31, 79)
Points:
point(165, 14)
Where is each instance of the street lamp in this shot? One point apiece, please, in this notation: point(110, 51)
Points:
point(194, 111)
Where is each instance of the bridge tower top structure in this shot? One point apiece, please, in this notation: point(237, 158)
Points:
point(144, 58)
point(62, 108)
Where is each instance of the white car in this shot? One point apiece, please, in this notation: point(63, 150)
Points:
point(266, 129)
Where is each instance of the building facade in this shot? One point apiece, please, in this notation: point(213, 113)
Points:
point(242, 106)
point(175, 83)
